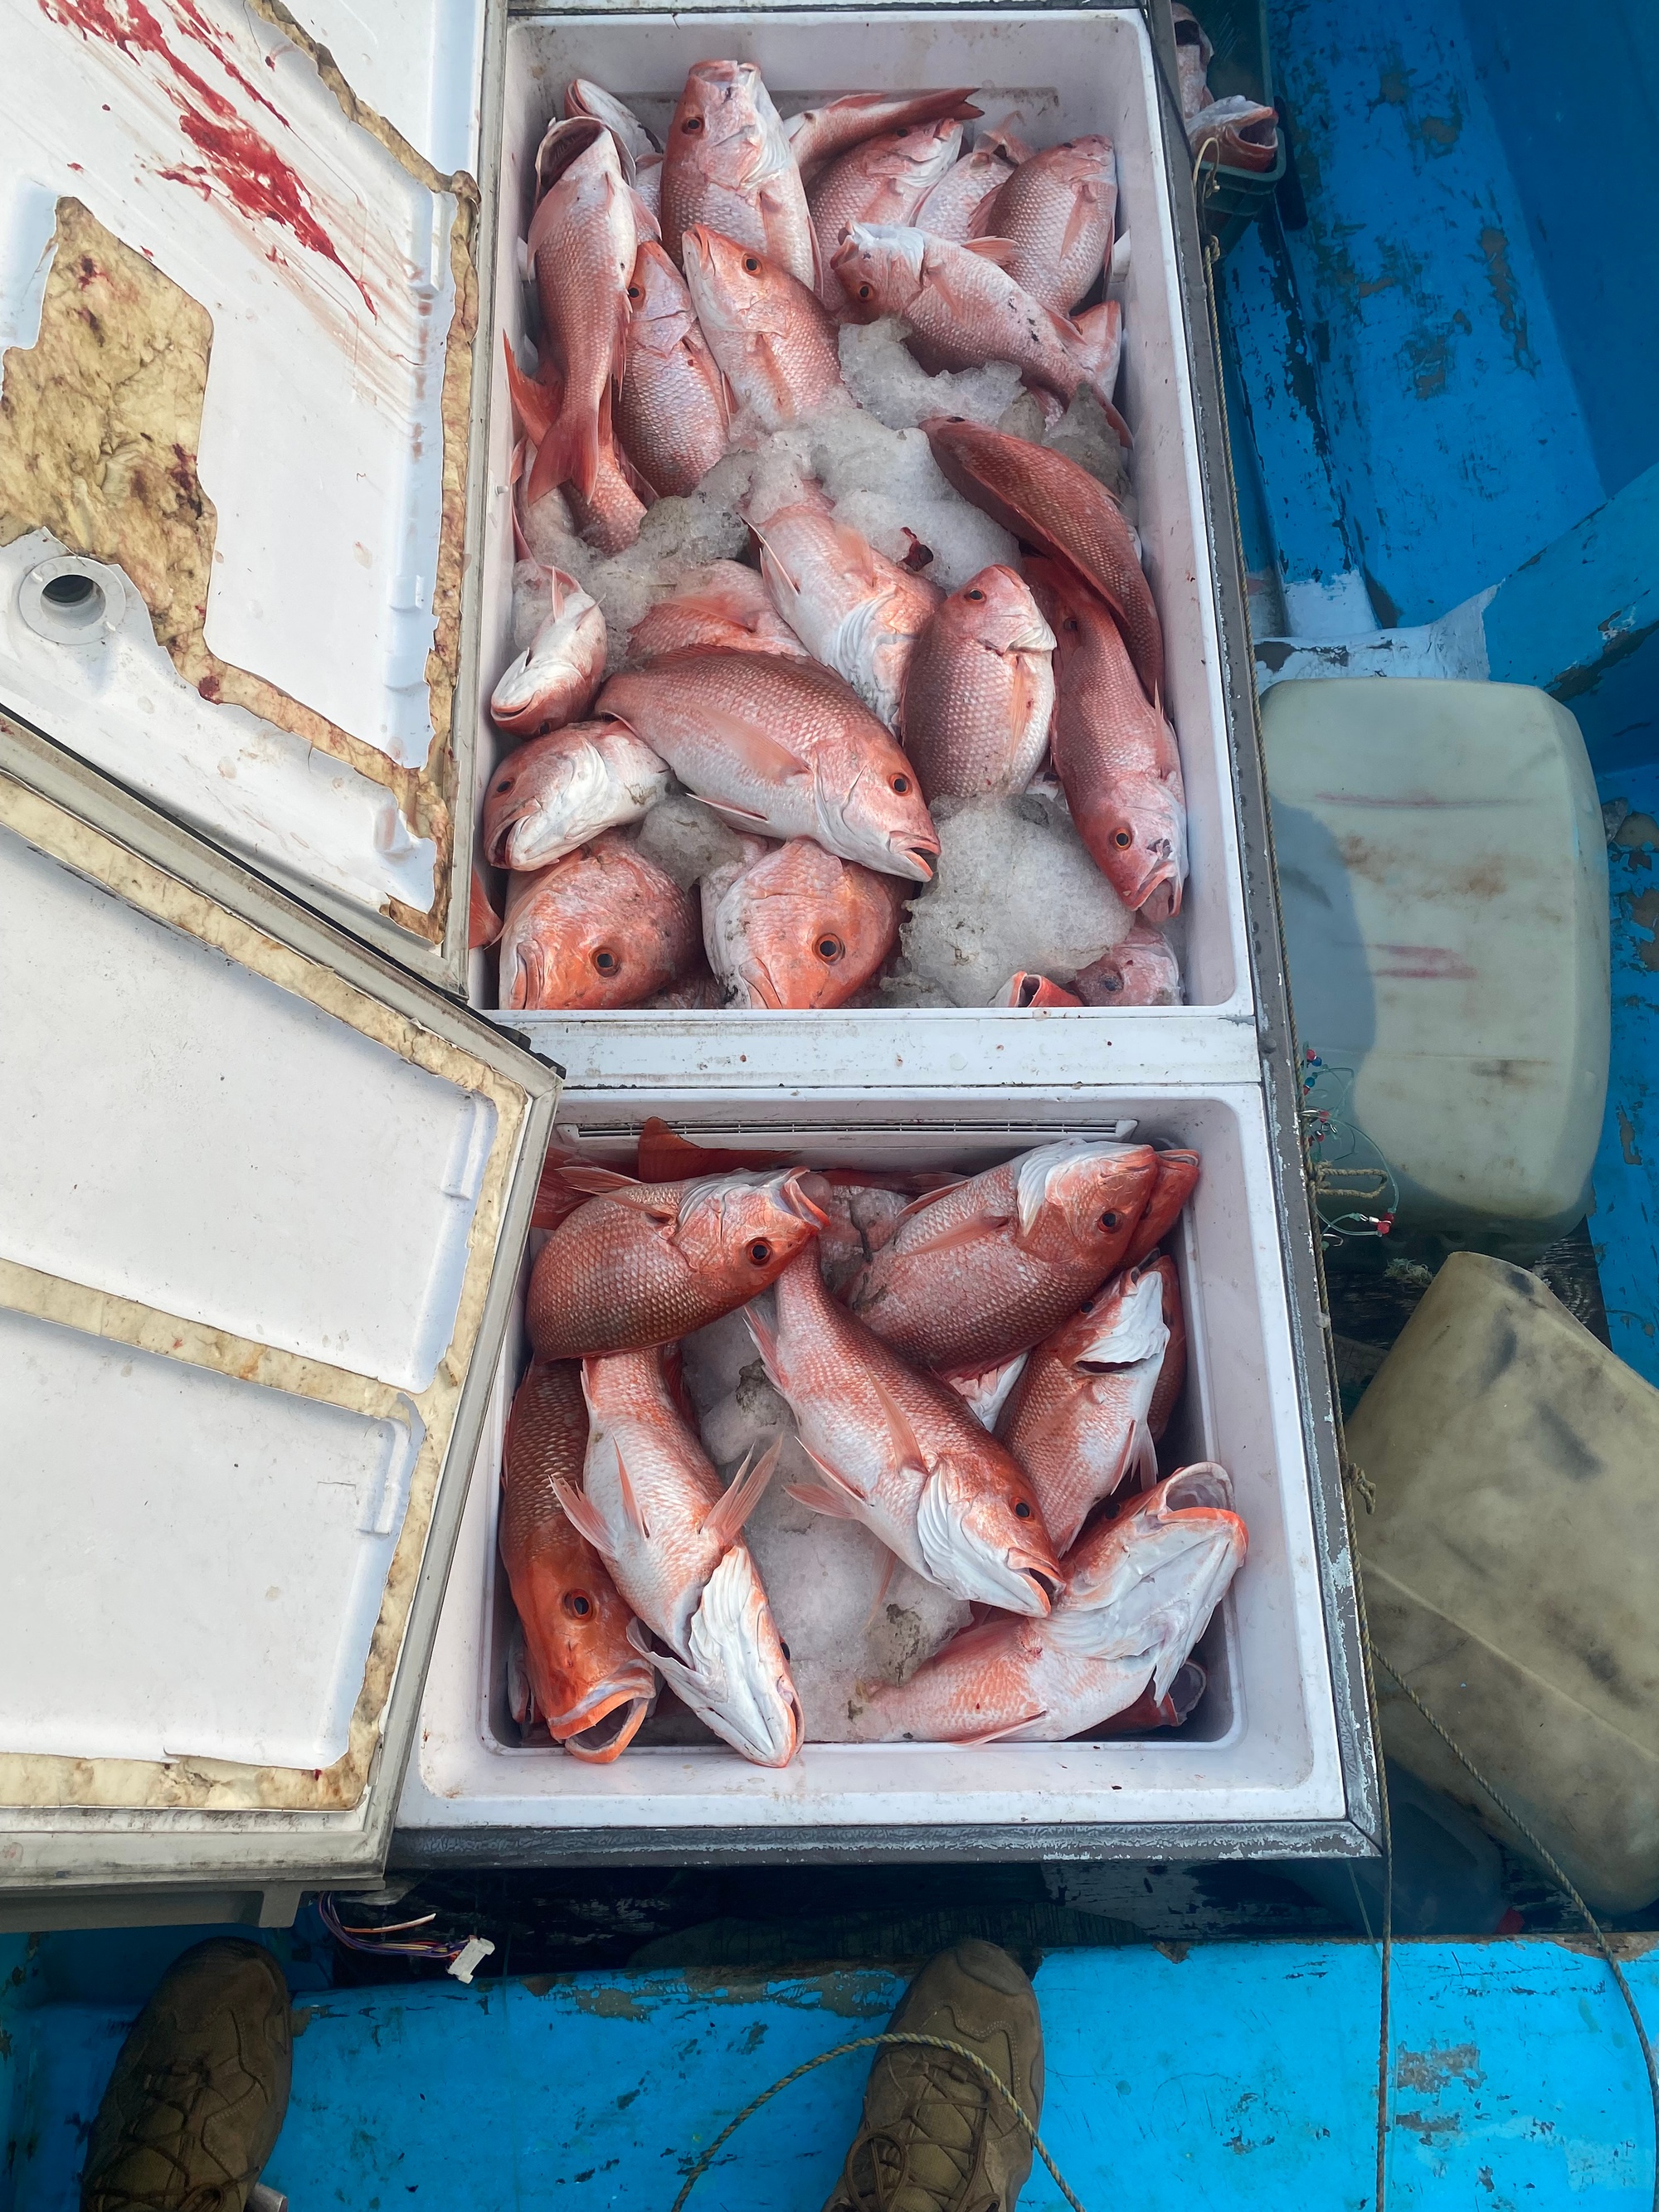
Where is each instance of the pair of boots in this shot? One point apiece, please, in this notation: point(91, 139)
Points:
point(196, 2102)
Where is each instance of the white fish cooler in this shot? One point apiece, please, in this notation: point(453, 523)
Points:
point(260, 1281)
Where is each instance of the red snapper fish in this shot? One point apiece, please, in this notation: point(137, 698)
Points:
point(653, 1507)
point(609, 519)
point(964, 309)
point(671, 408)
point(729, 168)
point(1114, 752)
point(1139, 1593)
point(816, 134)
point(1057, 211)
point(781, 747)
point(949, 209)
point(989, 1267)
point(885, 179)
point(900, 1454)
point(560, 791)
point(979, 690)
point(1142, 971)
point(554, 680)
point(1026, 989)
point(857, 612)
point(1176, 1180)
point(723, 604)
point(1077, 1421)
point(643, 1263)
point(774, 343)
point(583, 97)
point(586, 1679)
point(605, 926)
point(790, 925)
point(1056, 504)
point(584, 241)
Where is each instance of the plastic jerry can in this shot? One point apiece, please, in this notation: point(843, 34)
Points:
point(1510, 1562)
point(1444, 877)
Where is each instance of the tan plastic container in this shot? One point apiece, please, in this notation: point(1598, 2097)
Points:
point(1512, 1564)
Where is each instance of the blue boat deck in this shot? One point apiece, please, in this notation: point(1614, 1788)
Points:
point(1178, 2078)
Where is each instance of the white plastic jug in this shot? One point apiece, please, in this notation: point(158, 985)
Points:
point(1443, 878)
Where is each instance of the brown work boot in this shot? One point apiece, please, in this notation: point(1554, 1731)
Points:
point(934, 2136)
point(196, 2102)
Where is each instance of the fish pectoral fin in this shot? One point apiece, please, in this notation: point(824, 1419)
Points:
point(907, 1449)
point(964, 1232)
point(766, 757)
point(1008, 1728)
point(631, 1505)
point(882, 1589)
point(1001, 250)
point(740, 817)
point(818, 1498)
point(741, 1495)
point(584, 1517)
point(766, 1341)
point(1142, 1460)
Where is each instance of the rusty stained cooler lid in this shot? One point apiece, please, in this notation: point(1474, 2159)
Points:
point(237, 306)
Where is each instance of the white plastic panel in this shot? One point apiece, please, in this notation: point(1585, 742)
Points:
point(1263, 1747)
point(1066, 71)
point(212, 1555)
point(416, 62)
point(179, 1131)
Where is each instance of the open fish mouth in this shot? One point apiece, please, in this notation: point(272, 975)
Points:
point(800, 1202)
point(607, 1723)
point(916, 861)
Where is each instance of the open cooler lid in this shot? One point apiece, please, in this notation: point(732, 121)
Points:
point(262, 1201)
point(237, 307)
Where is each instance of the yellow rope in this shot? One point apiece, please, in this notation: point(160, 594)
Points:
point(874, 2043)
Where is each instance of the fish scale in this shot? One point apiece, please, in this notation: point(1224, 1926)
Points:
point(979, 690)
point(1057, 211)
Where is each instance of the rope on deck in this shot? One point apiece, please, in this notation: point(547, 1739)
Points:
point(874, 2043)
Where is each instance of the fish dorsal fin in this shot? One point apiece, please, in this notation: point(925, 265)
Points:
point(1001, 250)
point(906, 1448)
point(741, 1495)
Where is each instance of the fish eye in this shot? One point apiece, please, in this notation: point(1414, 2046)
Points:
point(506, 784)
point(635, 292)
point(1121, 838)
point(1110, 1219)
point(692, 123)
point(829, 947)
point(760, 1251)
point(578, 1603)
point(864, 291)
point(752, 263)
point(1021, 1510)
point(783, 1647)
point(606, 961)
point(975, 594)
point(901, 785)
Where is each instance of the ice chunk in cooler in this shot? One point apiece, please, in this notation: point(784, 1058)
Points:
point(883, 376)
point(1014, 888)
point(686, 841)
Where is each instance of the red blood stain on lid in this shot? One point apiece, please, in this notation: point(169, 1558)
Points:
point(239, 159)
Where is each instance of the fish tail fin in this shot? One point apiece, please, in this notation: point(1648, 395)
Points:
point(534, 402)
point(741, 1495)
point(882, 1589)
point(569, 453)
